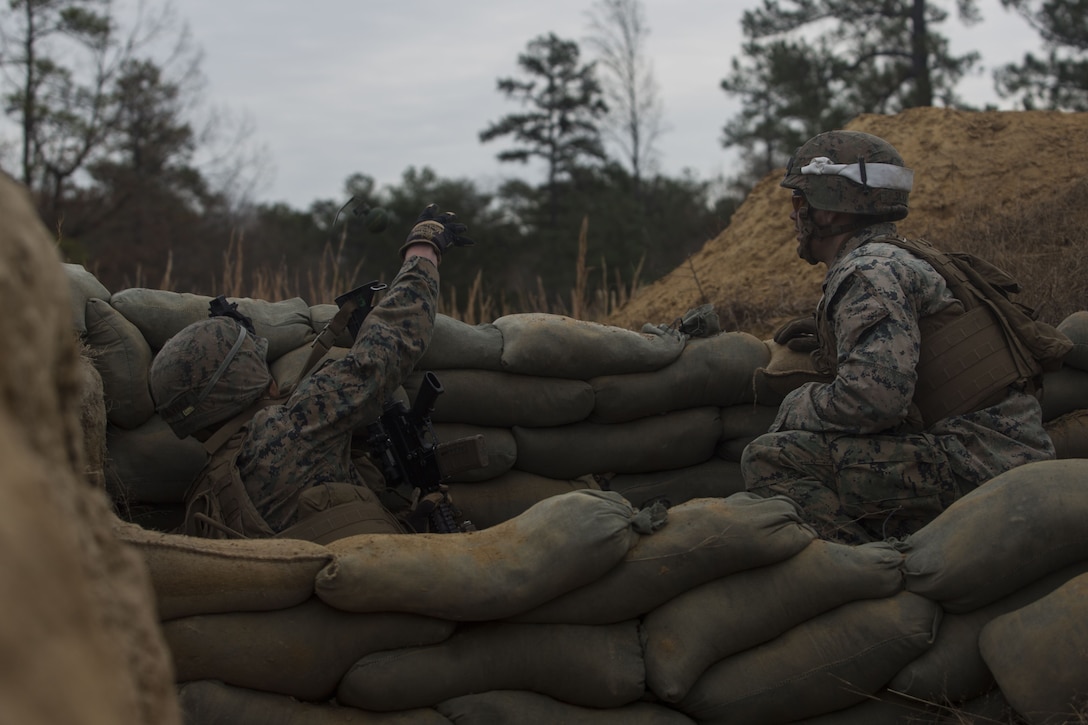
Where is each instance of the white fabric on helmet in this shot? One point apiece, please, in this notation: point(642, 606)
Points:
point(878, 176)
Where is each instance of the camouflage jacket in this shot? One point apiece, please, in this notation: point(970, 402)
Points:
point(307, 440)
point(874, 295)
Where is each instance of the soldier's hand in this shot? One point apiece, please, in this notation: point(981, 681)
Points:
point(438, 229)
point(798, 335)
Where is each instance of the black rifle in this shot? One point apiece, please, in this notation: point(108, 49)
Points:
point(361, 301)
point(403, 444)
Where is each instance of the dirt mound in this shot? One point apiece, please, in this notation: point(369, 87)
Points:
point(967, 165)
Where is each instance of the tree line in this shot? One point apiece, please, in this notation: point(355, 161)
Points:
point(104, 138)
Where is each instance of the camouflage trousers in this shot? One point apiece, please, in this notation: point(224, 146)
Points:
point(854, 489)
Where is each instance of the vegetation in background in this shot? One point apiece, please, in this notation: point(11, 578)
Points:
point(1060, 79)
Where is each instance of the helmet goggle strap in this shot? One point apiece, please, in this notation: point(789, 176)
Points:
point(186, 404)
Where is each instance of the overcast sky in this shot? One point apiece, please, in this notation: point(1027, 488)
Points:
point(334, 87)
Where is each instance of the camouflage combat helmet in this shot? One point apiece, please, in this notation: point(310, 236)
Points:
point(853, 172)
point(208, 373)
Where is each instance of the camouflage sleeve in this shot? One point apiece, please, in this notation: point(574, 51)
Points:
point(877, 343)
point(350, 392)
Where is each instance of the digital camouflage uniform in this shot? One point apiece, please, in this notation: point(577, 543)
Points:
point(848, 451)
point(306, 441)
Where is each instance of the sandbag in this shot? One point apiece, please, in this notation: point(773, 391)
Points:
point(499, 445)
point(1075, 327)
point(1069, 433)
point(953, 668)
point(557, 545)
point(1038, 654)
point(208, 576)
point(883, 708)
point(82, 286)
point(689, 633)
point(826, 664)
point(456, 344)
point(287, 367)
point(483, 397)
point(702, 540)
point(215, 703)
point(598, 666)
point(714, 479)
point(301, 651)
point(786, 371)
point(92, 420)
point(488, 503)
point(747, 421)
point(1020, 526)
point(1064, 391)
point(662, 442)
point(123, 359)
point(150, 464)
point(539, 343)
point(709, 371)
point(530, 708)
point(160, 315)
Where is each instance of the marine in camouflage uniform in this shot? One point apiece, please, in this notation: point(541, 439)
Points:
point(294, 447)
point(853, 451)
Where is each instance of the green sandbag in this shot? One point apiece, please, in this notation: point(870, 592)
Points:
point(659, 443)
point(150, 464)
point(714, 479)
point(702, 540)
point(1069, 433)
point(531, 708)
point(1038, 654)
point(828, 663)
point(883, 708)
point(483, 397)
point(559, 544)
point(207, 576)
point(499, 446)
point(1064, 391)
point(747, 421)
point(538, 343)
point(123, 359)
point(1075, 327)
point(161, 314)
point(82, 286)
point(688, 634)
point(301, 651)
point(710, 371)
point(214, 703)
point(456, 344)
point(953, 668)
point(599, 666)
point(489, 503)
point(1018, 527)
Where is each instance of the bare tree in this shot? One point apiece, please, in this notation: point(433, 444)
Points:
point(636, 114)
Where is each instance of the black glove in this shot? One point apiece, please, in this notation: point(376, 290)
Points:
point(438, 229)
point(798, 335)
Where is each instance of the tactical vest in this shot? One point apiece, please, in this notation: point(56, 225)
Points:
point(968, 359)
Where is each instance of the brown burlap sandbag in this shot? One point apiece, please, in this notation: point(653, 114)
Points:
point(150, 464)
point(82, 286)
point(214, 703)
point(301, 651)
point(499, 445)
point(488, 503)
point(538, 343)
point(1009, 532)
point(710, 371)
point(123, 359)
point(1039, 654)
point(952, 669)
point(208, 576)
point(599, 666)
point(703, 539)
point(659, 443)
point(531, 708)
point(79, 643)
point(786, 371)
point(714, 479)
point(691, 632)
point(160, 314)
point(483, 397)
point(557, 545)
point(1070, 434)
point(825, 664)
point(1075, 327)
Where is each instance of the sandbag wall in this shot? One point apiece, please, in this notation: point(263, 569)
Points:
point(729, 611)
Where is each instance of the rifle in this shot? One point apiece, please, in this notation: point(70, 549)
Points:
point(403, 444)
